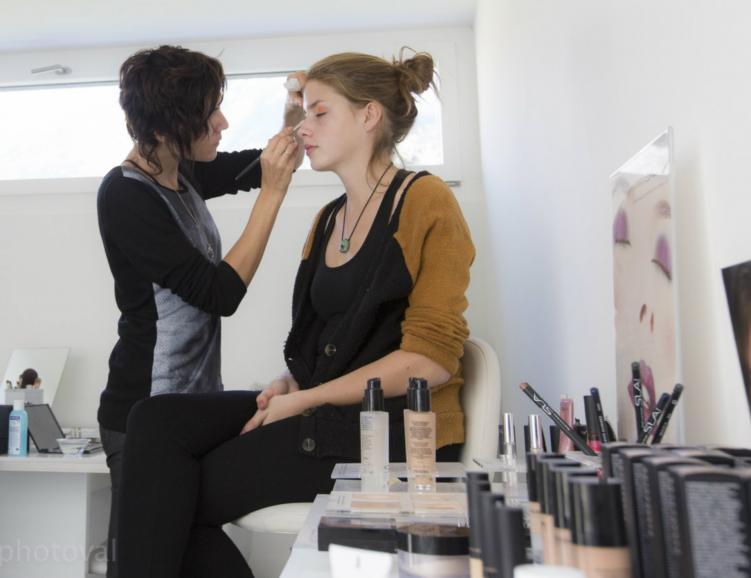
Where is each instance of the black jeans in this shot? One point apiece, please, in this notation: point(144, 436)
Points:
point(114, 444)
point(186, 471)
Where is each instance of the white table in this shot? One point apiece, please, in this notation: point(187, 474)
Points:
point(54, 512)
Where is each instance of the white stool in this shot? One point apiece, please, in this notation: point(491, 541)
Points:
point(272, 532)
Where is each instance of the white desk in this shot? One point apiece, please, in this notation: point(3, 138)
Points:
point(54, 511)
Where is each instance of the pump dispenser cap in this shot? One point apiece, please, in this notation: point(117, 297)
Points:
point(418, 394)
point(372, 400)
point(18, 405)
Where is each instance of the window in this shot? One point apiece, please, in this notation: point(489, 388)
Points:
point(64, 134)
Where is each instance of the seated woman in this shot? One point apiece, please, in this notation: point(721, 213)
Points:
point(379, 293)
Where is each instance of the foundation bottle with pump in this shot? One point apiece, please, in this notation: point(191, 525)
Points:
point(419, 437)
point(599, 533)
point(374, 439)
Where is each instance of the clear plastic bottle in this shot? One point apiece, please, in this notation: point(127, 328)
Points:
point(18, 430)
point(374, 438)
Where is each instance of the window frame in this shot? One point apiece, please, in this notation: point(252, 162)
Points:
point(243, 58)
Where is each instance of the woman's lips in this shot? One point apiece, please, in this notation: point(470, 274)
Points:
point(309, 148)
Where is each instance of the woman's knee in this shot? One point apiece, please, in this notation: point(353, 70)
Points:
point(152, 416)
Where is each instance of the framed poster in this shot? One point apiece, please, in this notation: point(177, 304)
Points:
point(646, 318)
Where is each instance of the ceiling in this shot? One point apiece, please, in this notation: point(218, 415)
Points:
point(45, 24)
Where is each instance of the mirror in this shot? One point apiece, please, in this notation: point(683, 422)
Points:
point(48, 362)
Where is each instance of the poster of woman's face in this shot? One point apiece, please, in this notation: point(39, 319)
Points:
point(644, 281)
point(738, 289)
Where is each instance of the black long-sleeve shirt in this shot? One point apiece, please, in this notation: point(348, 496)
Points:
point(171, 286)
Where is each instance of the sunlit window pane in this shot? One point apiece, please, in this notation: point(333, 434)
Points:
point(79, 131)
point(58, 132)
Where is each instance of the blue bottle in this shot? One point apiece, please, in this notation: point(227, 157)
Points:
point(18, 430)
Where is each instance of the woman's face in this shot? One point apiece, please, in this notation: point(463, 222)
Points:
point(334, 130)
point(204, 148)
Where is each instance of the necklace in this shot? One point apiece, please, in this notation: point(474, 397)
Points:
point(179, 192)
point(344, 243)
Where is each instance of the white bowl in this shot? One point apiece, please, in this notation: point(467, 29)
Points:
point(72, 446)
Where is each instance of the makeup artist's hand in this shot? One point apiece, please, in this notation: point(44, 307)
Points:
point(279, 407)
point(278, 160)
point(295, 96)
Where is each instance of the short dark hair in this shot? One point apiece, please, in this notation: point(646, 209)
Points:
point(169, 91)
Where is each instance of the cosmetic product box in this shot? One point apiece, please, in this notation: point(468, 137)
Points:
point(633, 508)
point(659, 517)
point(4, 417)
point(611, 463)
point(367, 533)
point(714, 513)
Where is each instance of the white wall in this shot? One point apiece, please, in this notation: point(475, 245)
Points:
point(55, 286)
point(567, 92)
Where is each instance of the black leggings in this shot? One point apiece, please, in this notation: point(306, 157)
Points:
point(186, 472)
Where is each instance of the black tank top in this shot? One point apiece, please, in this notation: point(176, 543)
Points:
point(333, 289)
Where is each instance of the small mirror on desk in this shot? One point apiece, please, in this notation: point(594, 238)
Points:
point(33, 374)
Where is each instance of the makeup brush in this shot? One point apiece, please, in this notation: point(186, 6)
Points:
point(257, 160)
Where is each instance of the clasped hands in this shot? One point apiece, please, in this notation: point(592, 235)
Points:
point(281, 399)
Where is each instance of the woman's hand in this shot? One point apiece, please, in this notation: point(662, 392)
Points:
point(280, 386)
point(278, 407)
point(278, 160)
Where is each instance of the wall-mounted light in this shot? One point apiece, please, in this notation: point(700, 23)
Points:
point(58, 69)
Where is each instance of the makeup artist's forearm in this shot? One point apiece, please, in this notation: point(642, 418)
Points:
point(245, 255)
point(394, 370)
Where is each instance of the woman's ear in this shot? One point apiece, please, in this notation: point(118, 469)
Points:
point(373, 115)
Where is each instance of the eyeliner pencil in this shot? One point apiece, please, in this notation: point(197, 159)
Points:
point(595, 393)
point(257, 160)
point(552, 414)
point(638, 400)
point(654, 416)
point(663, 425)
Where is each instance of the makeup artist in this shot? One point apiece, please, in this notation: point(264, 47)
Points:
point(172, 281)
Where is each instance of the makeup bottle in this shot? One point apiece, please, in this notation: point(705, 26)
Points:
point(534, 439)
point(374, 438)
point(419, 436)
point(489, 540)
point(507, 440)
point(599, 534)
point(18, 430)
point(567, 413)
point(551, 549)
point(507, 540)
point(477, 484)
point(534, 504)
point(562, 512)
point(633, 505)
point(656, 523)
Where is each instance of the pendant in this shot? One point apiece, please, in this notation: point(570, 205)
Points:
point(210, 250)
point(344, 246)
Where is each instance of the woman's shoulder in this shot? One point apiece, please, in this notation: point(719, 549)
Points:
point(428, 197)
